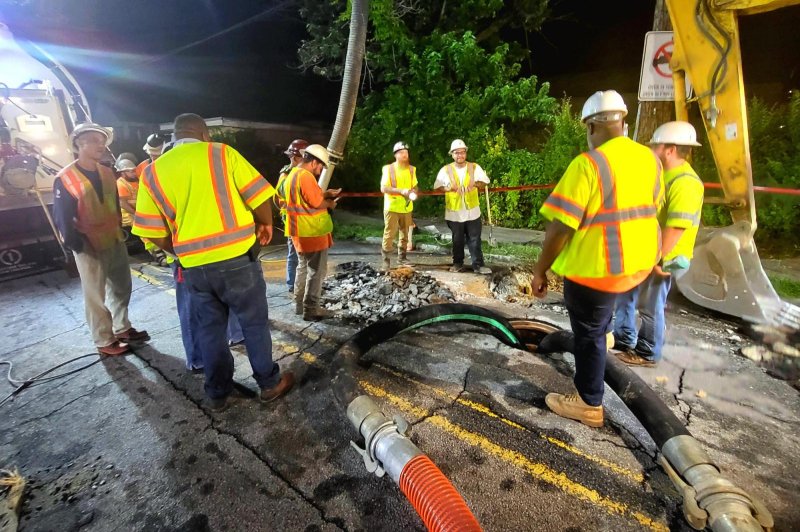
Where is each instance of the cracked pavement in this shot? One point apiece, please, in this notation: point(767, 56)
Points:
point(127, 444)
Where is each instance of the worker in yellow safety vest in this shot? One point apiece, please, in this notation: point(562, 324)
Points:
point(460, 181)
point(153, 147)
point(399, 187)
point(603, 238)
point(86, 213)
point(680, 219)
point(310, 227)
point(295, 154)
point(206, 204)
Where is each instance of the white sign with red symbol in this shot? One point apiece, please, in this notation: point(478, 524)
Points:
point(655, 81)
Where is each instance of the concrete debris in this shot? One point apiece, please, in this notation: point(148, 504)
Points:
point(701, 394)
point(360, 293)
point(662, 380)
point(513, 285)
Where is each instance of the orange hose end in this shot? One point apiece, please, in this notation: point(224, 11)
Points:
point(437, 502)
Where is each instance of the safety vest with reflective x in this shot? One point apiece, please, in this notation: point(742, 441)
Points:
point(303, 220)
point(397, 202)
point(453, 199)
point(611, 197)
point(203, 194)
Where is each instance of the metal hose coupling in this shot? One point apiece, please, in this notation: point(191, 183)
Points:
point(387, 448)
point(709, 499)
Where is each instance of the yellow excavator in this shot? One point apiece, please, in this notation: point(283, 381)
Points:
point(726, 274)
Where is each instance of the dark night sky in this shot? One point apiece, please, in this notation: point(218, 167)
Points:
point(115, 49)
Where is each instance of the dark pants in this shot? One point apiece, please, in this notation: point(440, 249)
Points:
point(590, 313)
point(472, 231)
point(234, 285)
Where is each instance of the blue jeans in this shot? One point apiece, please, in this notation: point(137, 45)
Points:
point(234, 285)
point(590, 312)
point(193, 358)
point(292, 260)
point(649, 340)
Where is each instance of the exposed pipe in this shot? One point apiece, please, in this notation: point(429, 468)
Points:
point(386, 447)
point(359, 13)
point(709, 499)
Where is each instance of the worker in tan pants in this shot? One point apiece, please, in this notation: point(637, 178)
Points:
point(399, 187)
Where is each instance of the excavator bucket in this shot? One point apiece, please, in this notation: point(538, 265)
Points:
point(726, 275)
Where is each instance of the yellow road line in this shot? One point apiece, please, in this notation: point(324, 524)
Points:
point(482, 409)
point(538, 470)
point(146, 278)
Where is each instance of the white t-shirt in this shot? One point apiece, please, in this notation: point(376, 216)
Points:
point(443, 180)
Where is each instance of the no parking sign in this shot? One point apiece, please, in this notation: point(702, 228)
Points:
point(655, 81)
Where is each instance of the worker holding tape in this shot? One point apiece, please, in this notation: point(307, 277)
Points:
point(399, 187)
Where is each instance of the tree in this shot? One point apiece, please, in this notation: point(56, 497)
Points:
point(435, 71)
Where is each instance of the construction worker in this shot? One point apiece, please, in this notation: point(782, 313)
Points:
point(309, 225)
point(206, 204)
point(399, 187)
point(127, 186)
point(680, 219)
point(87, 214)
point(153, 147)
point(295, 154)
point(461, 181)
point(603, 238)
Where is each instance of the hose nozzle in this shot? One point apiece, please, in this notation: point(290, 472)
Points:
point(387, 448)
point(709, 499)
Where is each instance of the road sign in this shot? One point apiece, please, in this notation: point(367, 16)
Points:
point(655, 80)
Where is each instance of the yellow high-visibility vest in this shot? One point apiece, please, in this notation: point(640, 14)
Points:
point(303, 220)
point(98, 221)
point(455, 201)
point(611, 197)
point(202, 193)
point(684, 194)
point(399, 178)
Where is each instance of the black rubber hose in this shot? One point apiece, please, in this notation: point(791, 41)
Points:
point(343, 382)
point(654, 415)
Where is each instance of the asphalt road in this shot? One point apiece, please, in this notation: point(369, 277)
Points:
point(127, 445)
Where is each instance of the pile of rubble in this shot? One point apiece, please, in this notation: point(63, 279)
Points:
point(358, 292)
point(778, 351)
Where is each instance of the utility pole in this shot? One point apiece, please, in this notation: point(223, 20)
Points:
point(653, 114)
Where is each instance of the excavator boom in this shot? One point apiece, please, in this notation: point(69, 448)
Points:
point(726, 274)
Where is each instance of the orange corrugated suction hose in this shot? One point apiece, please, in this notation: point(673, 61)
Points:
point(434, 498)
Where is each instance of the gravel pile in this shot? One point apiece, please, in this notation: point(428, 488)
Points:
point(360, 293)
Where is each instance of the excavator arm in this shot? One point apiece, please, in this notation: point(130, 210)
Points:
point(726, 273)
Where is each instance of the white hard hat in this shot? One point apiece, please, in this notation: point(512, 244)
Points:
point(319, 152)
point(400, 145)
point(85, 127)
point(677, 132)
point(125, 161)
point(609, 103)
point(457, 145)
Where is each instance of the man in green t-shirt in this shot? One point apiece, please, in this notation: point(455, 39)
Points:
point(679, 221)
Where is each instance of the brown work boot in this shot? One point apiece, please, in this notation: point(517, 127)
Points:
point(571, 406)
point(316, 314)
point(132, 335)
point(386, 264)
point(283, 386)
point(298, 306)
point(114, 349)
point(633, 359)
point(402, 259)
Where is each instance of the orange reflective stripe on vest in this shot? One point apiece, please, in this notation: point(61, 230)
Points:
point(97, 220)
point(393, 177)
point(150, 180)
point(609, 216)
point(303, 220)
